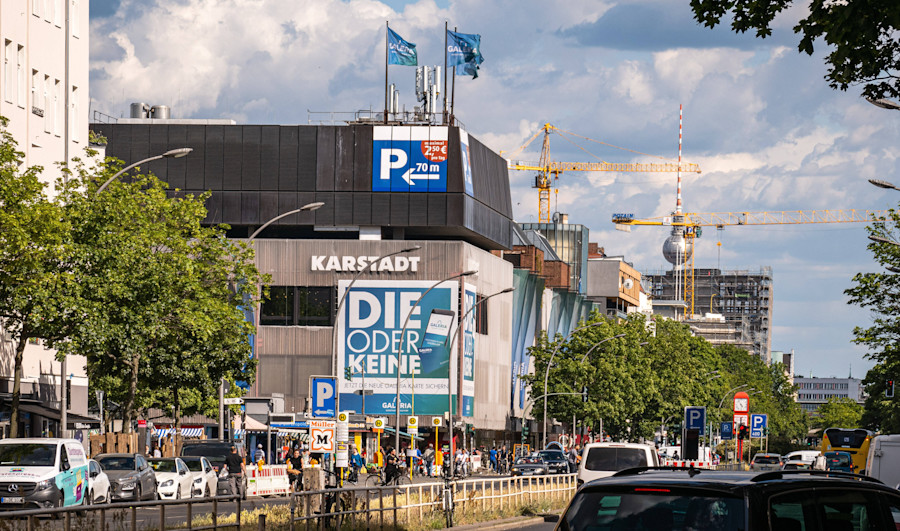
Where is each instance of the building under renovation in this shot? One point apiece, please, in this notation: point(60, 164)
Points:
point(730, 307)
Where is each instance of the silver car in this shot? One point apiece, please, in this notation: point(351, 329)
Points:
point(130, 476)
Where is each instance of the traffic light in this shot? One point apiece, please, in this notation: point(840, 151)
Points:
point(584, 395)
point(525, 429)
point(743, 432)
point(889, 389)
point(348, 373)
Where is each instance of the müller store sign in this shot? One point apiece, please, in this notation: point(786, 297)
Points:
point(359, 263)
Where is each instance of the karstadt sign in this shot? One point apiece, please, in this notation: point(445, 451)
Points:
point(397, 264)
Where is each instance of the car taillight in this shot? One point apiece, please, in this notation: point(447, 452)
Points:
point(652, 490)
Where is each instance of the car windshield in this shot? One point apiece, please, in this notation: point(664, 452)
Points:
point(668, 509)
point(766, 459)
point(163, 465)
point(528, 460)
point(194, 465)
point(206, 451)
point(117, 462)
point(553, 455)
point(32, 454)
point(612, 458)
point(838, 460)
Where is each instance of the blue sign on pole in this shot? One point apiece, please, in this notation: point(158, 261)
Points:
point(695, 418)
point(727, 431)
point(758, 424)
point(323, 393)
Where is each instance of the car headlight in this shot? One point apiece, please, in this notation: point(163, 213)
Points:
point(198, 480)
point(168, 483)
point(127, 484)
point(45, 484)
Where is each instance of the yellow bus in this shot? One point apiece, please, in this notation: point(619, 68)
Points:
point(853, 441)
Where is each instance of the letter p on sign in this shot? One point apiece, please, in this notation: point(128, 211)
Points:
point(324, 391)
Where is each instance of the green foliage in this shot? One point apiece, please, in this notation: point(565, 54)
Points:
point(861, 35)
point(839, 412)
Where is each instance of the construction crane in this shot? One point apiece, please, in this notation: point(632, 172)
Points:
point(547, 168)
point(686, 227)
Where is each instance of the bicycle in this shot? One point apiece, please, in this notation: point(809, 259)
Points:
point(377, 479)
point(334, 503)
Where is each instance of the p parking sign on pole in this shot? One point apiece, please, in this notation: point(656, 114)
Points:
point(695, 419)
point(758, 423)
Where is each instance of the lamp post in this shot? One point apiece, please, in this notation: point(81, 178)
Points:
point(550, 362)
point(171, 154)
point(400, 347)
point(450, 376)
point(337, 314)
point(883, 184)
point(885, 103)
point(881, 239)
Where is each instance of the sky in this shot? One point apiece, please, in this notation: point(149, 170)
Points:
point(759, 119)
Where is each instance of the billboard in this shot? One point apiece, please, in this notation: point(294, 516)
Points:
point(466, 165)
point(468, 375)
point(368, 342)
point(409, 159)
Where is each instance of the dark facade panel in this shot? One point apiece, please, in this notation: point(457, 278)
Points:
point(418, 209)
point(140, 144)
point(268, 206)
point(344, 159)
point(455, 184)
point(159, 143)
point(362, 176)
point(456, 209)
point(362, 209)
point(230, 206)
point(175, 168)
point(381, 209)
point(194, 166)
point(233, 158)
point(214, 157)
point(286, 203)
point(325, 215)
point(437, 210)
point(268, 158)
point(214, 209)
point(306, 163)
point(399, 209)
point(288, 154)
point(325, 159)
point(343, 208)
point(250, 153)
point(249, 208)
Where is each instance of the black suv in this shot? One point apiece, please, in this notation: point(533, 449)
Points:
point(215, 452)
point(693, 499)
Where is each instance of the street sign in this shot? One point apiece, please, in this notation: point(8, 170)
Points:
point(343, 416)
point(741, 419)
point(232, 401)
point(342, 455)
point(379, 425)
point(727, 431)
point(436, 422)
point(323, 393)
point(758, 423)
point(412, 422)
point(321, 436)
point(695, 418)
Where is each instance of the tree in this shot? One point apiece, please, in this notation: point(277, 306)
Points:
point(839, 412)
point(33, 260)
point(163, 294)
point(862, 36)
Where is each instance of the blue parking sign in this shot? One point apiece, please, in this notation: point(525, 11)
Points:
point(695, 418)
point(323, 396)
point(758, 424)
point(727, 431)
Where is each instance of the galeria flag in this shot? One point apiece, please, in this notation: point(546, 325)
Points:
point(401, 51)
point(464, 52)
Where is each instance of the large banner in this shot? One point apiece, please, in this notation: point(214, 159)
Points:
point(369, 332)
point(468, 381)
point(466, 164)
point(409, 159)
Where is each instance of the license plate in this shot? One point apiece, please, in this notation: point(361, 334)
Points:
point(13, 499)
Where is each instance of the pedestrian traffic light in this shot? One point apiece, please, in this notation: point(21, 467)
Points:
point(743, 432)
point(524, 429)
point(584, 395)
point(889, 389)
point(348, 373)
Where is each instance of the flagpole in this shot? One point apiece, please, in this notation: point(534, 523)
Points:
point(386, 46)
point(444, 113)
point(453, 96)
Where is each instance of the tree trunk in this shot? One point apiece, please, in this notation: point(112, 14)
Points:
point(132, 392)
point(176, 412)
point(17, 384)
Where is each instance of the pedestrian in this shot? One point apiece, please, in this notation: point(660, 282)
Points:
point(356, 462)
point(572, 458)
point(259, 454)
point(295, 471)
point(236, 470)
point(391, 464)
point(428, 456)
point(493, 456)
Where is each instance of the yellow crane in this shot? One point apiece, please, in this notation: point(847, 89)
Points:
point(688, 226)
point(546, 167)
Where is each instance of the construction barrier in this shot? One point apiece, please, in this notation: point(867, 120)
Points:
point(687, 464)
point(271, 480)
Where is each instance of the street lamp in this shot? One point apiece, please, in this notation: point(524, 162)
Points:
point(337, 314)
point(171, 154)
point(400, 346)
point(731, 391)
point(450, 376)
point(883, 184)
point(597, 344)
point(550, 362)
point(309, 206)
point(881, 239)
point(885, 103)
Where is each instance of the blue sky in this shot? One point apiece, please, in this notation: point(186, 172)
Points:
point(758, 117)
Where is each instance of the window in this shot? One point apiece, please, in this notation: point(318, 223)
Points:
point(48, 123)
point(36, 7)
point(57, 103)
point(299, 306)
point(74, 16)
point(835, 509)
point(58, 12)
point(481, 315)
point(36, 93)
point(8, 72)
point(20, 76)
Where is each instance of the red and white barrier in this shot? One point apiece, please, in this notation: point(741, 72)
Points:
point(687, 464)
point(271, 480)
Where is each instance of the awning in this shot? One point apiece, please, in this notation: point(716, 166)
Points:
point(403, 434)
point(74, 421)
point(251, 424)
point(185, 432)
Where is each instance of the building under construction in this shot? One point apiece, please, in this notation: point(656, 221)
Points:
point(730, 307)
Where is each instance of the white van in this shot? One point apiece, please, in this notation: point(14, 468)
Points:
point(600, 460)
point(883, 461)
point(42, 472)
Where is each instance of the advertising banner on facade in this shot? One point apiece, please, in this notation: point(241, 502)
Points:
point(466, 164)
point(369, 330)
point(468, 379)
point(409, 159)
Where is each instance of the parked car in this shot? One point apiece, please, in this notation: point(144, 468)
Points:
point(37, 473)
point(99, 489)
point(130, 476)
point(800, 456)
point(530, 465)
point(173, 479)
point(205, 478)
point(599, 460)
point(215, 452)
point(764, 462)
point(839, 461)
point(556, 460)
point(726, 501)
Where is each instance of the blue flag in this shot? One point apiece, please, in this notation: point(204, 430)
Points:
point(401, 51)
point(464, 52)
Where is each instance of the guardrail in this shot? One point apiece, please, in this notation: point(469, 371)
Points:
point(97, 516)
